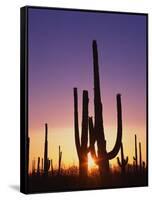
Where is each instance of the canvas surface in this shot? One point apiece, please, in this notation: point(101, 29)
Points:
point(87, 100)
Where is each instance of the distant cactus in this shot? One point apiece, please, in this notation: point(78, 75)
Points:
point(81, 146)
point(135, 158)
point(38, 166)
point(144, 167)
point(60, 157)
point(52, 169)
point(123, 162)
point(140, 158)
point(28, 151)
point(97, 130)
point(46, 160)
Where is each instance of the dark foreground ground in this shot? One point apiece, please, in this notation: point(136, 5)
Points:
point(58, 183)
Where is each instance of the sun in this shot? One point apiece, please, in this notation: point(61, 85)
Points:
point(91, 163)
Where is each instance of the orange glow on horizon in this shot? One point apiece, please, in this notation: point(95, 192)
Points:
point(65, 138)
point(91, 163)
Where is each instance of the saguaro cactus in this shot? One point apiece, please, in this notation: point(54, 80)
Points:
point(140, 158)
point(38, 166)
point(136, 155)
point(28, 151)
point(123, 161)
point(82, 148)
point(97, 130)
point(46, 160)
point(60, 157)
point(52, 170)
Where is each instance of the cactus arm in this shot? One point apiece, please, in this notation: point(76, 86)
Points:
point(117, 146)
point(118, 161)
point(122, 153)
point(92, 140)
point(76, 124)
point(84, 135)
point(125, 161)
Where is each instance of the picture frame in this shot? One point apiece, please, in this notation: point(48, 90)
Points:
point(66, 48)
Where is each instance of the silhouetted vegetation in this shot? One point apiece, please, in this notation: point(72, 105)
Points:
point(49, 178)
point(123, 161)
point(69, 179)
point(82, 148)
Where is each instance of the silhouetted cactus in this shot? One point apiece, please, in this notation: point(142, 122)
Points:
point(82, 148)
point(136, 155)
point(144, 167)
point(140, 158)
point(97, 131)
point(38, 166)
point(123, 161)
point(46, 160)
point(52, 169)
point(28, 152)
point(60, 157)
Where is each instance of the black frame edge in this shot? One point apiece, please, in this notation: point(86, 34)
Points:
point(85, 10)
point(23, 101)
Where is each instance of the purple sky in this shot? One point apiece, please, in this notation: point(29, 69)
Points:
point(60, 58)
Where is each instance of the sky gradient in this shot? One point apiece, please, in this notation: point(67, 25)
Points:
point(60, 58)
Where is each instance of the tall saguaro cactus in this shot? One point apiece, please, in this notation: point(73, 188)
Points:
point(123, 161)
point(81, 146)
point(140, 157)
point(46, 160)
point(60, 157)
point(136, 155)
point(97, 130)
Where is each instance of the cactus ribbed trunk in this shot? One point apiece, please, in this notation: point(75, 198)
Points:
point(98, 130)
point(98, 122)
point(82, 149)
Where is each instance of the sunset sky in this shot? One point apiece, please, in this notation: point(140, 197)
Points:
point(60, 58)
